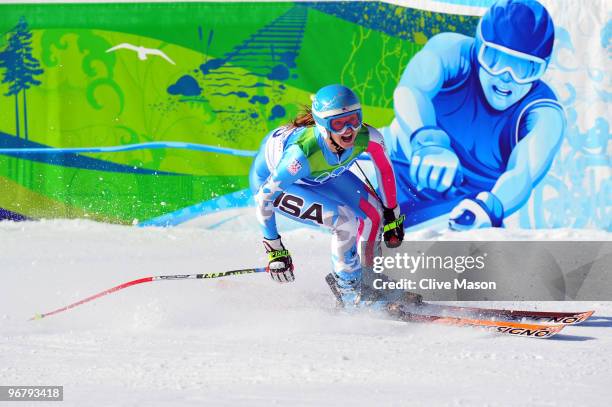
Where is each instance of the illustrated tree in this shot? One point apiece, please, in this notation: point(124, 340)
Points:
point(20, 68)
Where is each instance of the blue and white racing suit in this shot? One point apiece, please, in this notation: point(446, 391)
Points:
point(297, 175)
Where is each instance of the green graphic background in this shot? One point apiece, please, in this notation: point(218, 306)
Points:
point(90, 97)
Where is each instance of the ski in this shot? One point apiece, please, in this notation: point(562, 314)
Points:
point(511, 328)
point(552, 317)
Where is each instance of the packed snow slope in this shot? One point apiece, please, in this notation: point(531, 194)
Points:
point(247, 341)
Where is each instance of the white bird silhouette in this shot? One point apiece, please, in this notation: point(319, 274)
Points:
point(142, 51)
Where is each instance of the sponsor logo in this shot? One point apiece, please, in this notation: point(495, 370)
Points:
point(566, 320)
point(537, 332)
point(294, 206)
point(225, 273)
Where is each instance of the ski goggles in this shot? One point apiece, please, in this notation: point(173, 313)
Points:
point(497, 59)
point(339, 124)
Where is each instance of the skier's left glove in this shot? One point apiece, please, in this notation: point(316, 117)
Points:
point(484, 211)
point(393, 231)
point(280, 264)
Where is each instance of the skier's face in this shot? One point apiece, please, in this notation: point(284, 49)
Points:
point(501, 91)
point(345, 139)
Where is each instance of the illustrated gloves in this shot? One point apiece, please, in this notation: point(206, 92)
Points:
point(433, 163)
point(484, 211)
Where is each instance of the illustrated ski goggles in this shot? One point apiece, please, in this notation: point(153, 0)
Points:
point(497, 59)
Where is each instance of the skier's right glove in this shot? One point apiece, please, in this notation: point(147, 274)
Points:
point(280, 265)
point(393, 231)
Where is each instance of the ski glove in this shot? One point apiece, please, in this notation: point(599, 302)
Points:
point(484, 211)
point(280, 265)
point(393, 231)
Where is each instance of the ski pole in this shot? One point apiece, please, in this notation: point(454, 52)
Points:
point(146, 280)
point(370, 185)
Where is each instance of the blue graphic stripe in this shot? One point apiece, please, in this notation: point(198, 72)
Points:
point(129, 147)
point(16, 147)
point(397, 21)
point(238, 199)
point(69, 157)
point(5, 214)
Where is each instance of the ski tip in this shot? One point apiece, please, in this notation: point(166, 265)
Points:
point(577, 318)
point(586, 315)
point(36, 317)
point(553, 329)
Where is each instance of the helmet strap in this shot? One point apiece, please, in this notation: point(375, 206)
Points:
point(339, 149)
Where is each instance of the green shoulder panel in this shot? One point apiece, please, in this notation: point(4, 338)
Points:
point(362, 139)
point(308, 142)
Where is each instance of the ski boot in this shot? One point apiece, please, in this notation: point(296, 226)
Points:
point(347, 292)
point(355, 294)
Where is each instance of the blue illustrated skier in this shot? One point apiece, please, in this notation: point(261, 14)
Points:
point(302, 171)
point(475, 128)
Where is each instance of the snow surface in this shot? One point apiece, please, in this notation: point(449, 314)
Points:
point(246, 341)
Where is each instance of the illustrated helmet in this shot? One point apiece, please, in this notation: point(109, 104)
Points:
point(515, 36)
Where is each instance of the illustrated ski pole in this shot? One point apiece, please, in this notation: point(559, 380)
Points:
point(146, 280)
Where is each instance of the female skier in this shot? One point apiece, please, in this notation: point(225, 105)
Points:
point(302, 171)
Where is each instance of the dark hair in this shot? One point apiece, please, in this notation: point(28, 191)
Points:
point(304, 119)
